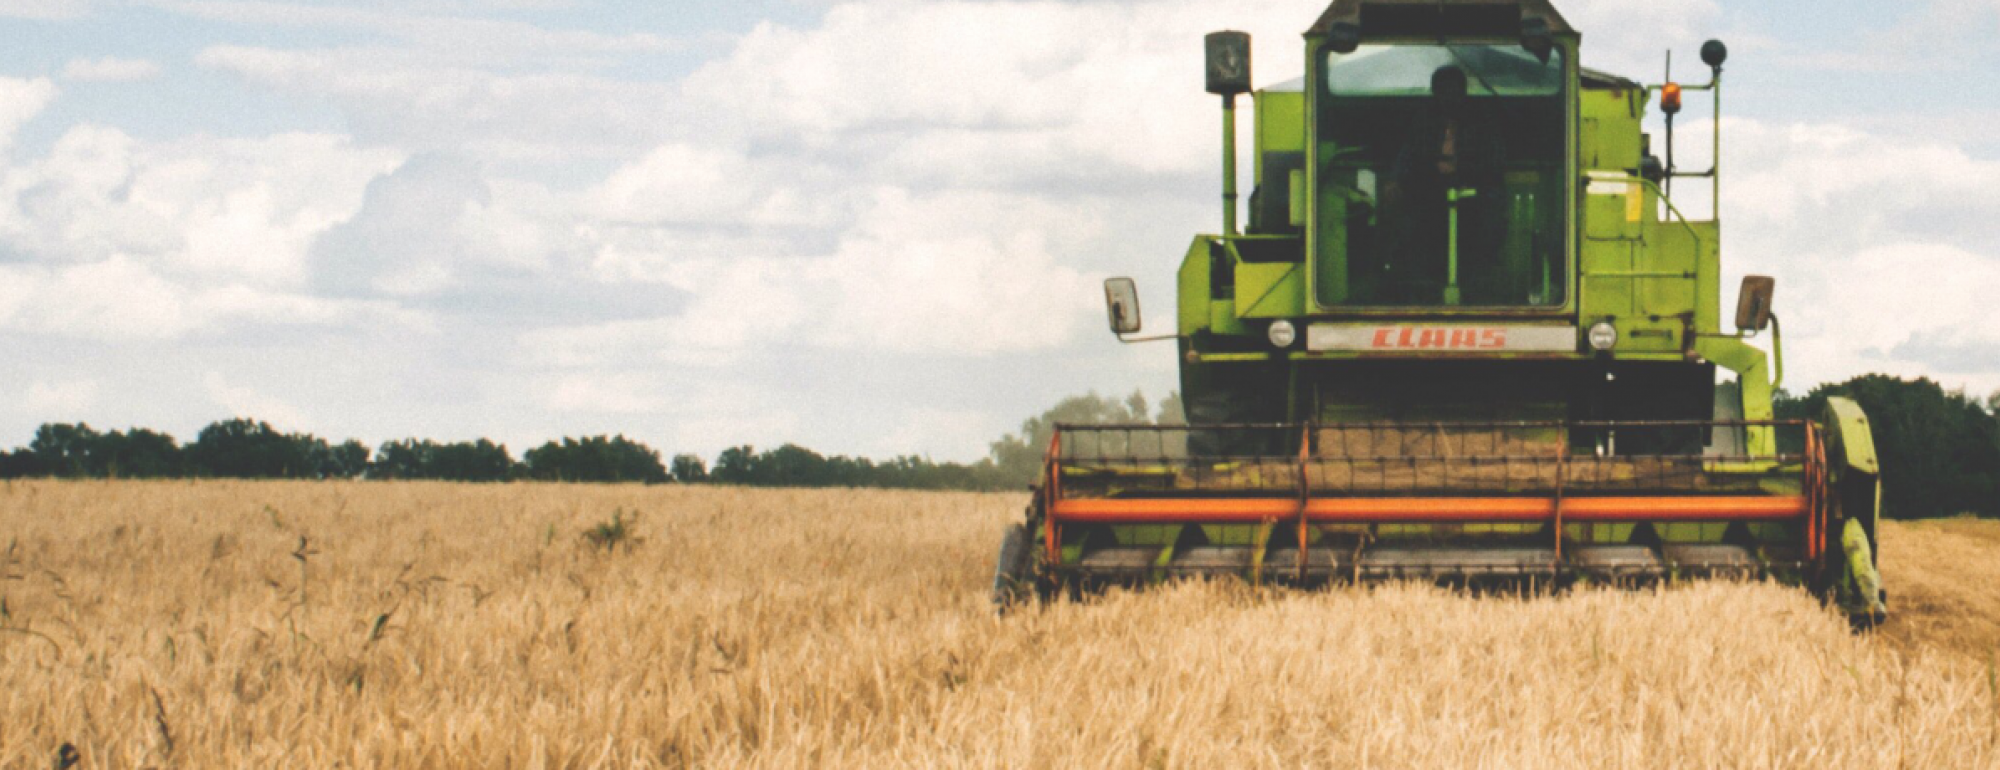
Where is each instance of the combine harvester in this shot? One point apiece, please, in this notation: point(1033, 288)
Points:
point(1466, 336)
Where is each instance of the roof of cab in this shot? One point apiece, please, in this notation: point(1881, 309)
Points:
point(1349, 11)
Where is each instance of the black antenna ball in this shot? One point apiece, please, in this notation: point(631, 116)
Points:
point(1713, 53)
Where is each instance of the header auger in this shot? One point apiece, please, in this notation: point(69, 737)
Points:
point(1467, 334)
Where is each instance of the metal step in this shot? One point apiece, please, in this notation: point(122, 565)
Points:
point(1399, 562)
point(1615, 561)
point(1119, 559)
point(1713, 560)
point(1211, 559)
point(1324, 561)
point(1199, 559)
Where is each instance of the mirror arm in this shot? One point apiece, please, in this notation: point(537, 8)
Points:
point(1130, 340)
point(1777, 355)
point(1777, 348)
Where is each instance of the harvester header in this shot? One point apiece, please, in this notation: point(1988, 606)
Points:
point(1466, 330)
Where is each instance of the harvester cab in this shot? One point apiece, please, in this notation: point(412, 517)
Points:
point(1467, 333)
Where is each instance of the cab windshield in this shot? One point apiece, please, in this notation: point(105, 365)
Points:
point(1441, 172)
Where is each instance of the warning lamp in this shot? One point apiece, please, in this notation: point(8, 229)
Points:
point(1670, 98)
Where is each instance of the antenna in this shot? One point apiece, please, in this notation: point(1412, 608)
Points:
point(1664, 107)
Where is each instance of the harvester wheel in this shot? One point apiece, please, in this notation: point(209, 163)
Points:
point(1013, 578)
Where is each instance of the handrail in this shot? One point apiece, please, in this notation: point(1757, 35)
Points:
point(1675, 210)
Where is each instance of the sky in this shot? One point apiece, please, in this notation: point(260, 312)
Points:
point(871, 227)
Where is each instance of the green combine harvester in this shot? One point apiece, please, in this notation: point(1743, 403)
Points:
point(1467, 335)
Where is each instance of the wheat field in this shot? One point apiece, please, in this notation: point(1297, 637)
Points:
point(274, 624)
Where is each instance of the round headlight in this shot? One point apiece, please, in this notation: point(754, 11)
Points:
point(1603, 335)
point(1283, 334)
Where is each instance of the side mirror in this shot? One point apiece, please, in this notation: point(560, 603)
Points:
point(1121, 299)
point(1753, 303)
point(1228, 62)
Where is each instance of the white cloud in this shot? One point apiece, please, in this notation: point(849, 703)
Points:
point(739, 310)
point(1630, 37)
point(1883, 246)
point(247, 402)
point(938, 275)
point(110, 69)
point(928, 427)
point(407, 99)
point(996, 88)
point(114, 299)
point(610, 393)
point(218, 309)
point(711, 185)
point(955, 274)
point(404, 239)
point(1878, 184)
point(237, 209)
point(455, 36)
point(121, 299)
point(1905, 309)
point(763, 428)
point(20, 101)
point(67, 397)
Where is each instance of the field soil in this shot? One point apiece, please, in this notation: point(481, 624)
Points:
point(285, 624)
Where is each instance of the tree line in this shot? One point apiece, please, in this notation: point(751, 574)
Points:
point(1940, 452)
point(1939, 448)
point(252, 449)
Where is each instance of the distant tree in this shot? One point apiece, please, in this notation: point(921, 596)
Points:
point(733, 466)
point(347, 461)
point(1940, 450)
point(1019, 455)
point(791, 465)
point(399, 460)
point(922, 473)
point(66, 450)
point(480, 460)
point(689, 469)
point(21, 464)
point(251, 449)
point(78, 451)
point(596, 458)
point(137, 454)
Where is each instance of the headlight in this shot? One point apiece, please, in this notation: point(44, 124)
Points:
point(1603, 335)
point(1282, 334)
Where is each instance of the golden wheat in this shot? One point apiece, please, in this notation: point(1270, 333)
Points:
point(219, 624)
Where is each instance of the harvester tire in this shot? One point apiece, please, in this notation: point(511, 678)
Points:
point(1012, 576)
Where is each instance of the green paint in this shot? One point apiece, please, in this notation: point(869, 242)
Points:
point(1452, 297)
point(1853, 442)
point(1585, 241)
point(1863, 585)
